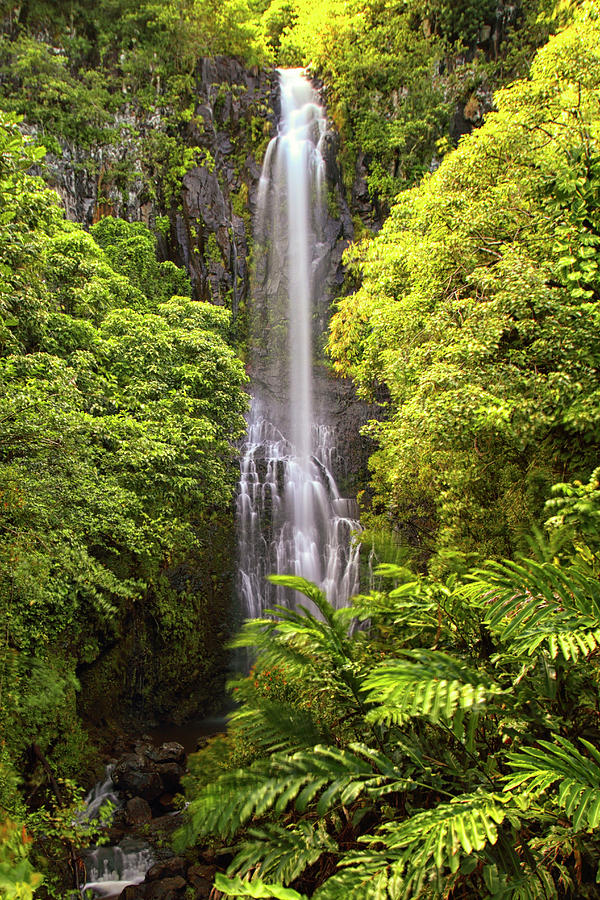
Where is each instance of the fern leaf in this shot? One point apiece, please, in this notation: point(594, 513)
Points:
point(537, 769)
point(300, 638)
point(275, 726)
point(235, 887)
point(425, 683)
point(282, 854)
point(310, 590)
point(228, 803)
point(417, 852)
point(468, 823)
point(529, 884)
point(532, 603)
point(367, 879)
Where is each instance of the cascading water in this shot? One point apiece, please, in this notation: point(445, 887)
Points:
point(291, 519)
point(110, 869)
point(101, 794)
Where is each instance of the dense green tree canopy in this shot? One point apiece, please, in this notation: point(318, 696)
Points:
point(478, 312)
point(119, 406)
point(399, 72)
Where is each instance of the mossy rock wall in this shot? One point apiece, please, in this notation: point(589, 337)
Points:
point(169, 661)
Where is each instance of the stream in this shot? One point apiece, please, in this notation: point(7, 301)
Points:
point(110, 868)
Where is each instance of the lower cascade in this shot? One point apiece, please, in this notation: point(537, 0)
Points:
point(291, 518)
point(110, 869)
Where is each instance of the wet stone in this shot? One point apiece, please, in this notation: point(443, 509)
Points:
point(165, 889)
point(169, 752)
point(170, 774)
point(201, 870)
point(137, 811)
point(166, 869)
point(133, 892)
point(137, 776)
point(202, 888)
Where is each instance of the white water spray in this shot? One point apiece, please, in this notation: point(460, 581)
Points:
point(291, 519)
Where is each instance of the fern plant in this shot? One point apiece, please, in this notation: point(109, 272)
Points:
point(463, 767)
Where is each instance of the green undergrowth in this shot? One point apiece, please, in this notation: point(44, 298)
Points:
point(435, 739)
point(120, 402)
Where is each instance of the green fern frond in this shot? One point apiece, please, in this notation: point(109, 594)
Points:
point(282, 854)
point(309, 589)
point(320, 648)
point(441, 834)
point(417, 854)
point(509, 583)
point(425, 683)
point(335, 776)
point(406, 607)
point(368, 878)
point(539, 768)
point(329, 633)
point(275, 726)
point(261, 636)
point(300, 629)
point(530, 884)
point(532, 603)
point(235, 887)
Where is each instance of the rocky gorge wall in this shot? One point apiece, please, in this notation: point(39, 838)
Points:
point(202, 211)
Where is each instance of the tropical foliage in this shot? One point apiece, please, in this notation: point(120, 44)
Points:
point(120, 400)
point(438, 738)
point(405, 79)
point(434, 740)
point(477, 312)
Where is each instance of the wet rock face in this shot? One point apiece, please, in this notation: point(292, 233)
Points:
point(235, 117)
point(210, 216)
point(137, 811)
point(175, 878)
point(149, 778)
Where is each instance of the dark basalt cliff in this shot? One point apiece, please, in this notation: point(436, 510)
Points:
point(209, 205)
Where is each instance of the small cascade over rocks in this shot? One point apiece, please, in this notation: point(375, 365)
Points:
point(101, 794)
point(111, 869)
point(291, 518)
point(140, 786)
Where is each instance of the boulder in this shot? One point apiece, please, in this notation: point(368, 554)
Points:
point(137, 776)
point(137, 811)
point(201, 870)
point(170, 775)
point(201, 877)
point(133, 892)
point(169, 752)
point(166, 888)
point(202, 889)
point(167, 868)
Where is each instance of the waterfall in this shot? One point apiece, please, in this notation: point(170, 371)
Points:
point(291, 518)
point(111, 869)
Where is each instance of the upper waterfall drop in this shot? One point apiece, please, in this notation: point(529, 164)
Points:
point(291, 519)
